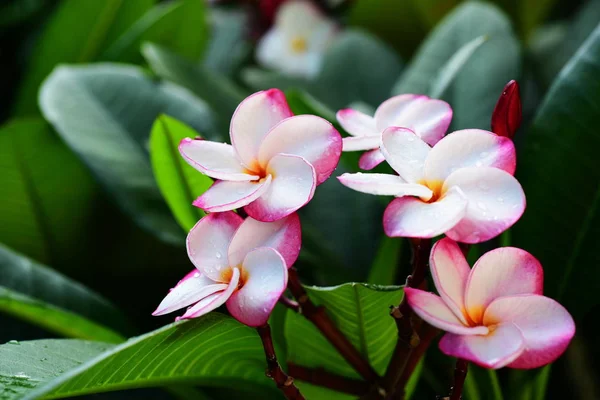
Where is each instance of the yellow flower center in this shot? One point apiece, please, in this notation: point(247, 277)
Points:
point(435, 187)
point(299, 44)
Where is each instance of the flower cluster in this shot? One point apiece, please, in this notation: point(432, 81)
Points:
point(460, 185)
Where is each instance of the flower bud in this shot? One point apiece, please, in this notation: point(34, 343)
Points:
point(506, 118)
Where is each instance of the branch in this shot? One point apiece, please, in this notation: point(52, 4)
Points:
point(320, 377)
point(284, 382)
point(318, 316)
point(460, 373)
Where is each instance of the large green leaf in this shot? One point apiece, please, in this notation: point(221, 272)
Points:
point(44, 297)
point(214, 351)
point(179, 183)
point(229, 42)
point(475, 89)
point(218, 91)
point(361, 312)
point(104, 112)
point(40, 215)
point(77, 32)
point(558, 171)
point(385, 265)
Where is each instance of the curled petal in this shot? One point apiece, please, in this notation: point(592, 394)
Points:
point(405, 152)
point(253, 119)
point(264, 280)
point(217, 160)
point(469, 148)
point(355, 143)
point(192, 288)
point(208, 241)
point(546, 326)
point(450, 272)
point(495, 350)
point(506, 271)
point(383, 185)
point(357, 123)
point(293, 186)
point(496, 202)
point(283, 235)
point(229, 195)
point(412, 217)
point(434, 311)
point(307, 136)
point(216, 300)
point(506, 117)
point(370, 159)
point(428, 118)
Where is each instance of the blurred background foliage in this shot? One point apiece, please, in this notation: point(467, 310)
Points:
point(97, 94)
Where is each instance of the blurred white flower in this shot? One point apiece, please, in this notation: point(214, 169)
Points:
point(296, 43)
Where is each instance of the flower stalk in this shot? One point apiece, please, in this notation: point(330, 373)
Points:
point(460, 373)
point(284, 382)
point(323, 378)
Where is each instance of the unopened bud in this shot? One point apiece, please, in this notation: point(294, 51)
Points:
point(506, 118)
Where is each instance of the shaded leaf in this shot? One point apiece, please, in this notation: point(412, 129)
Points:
point(385, 265)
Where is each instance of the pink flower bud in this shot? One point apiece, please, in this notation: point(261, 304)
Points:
point(506, 118)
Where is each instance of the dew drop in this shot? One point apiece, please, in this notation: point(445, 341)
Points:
point(196, 274)
point(218, 255)
point(411, 139)
point(14, 342)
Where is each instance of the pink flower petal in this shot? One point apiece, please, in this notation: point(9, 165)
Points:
point(217, 160)
point(265, 279)
point(495, 350)
point(450, 271)
point(469, 148)
point(208, 241)
point(496, 202)
point(546, 326)
point(214, 301)
point(354, 143)
point(283, 235)
point(405, 152)
point(434, 311)
point(253, 119)
point(307, 136)
point(506, 271)
point(371, 159)
point(293, 186)
point(412, 217)
point(192, 288)
point(428, 118)
point(226, 195)
point(357, 123)
point(383, 185)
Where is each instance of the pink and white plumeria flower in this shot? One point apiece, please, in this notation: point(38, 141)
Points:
point(240, 263)
point(427, 118)
point(462, 187)
point(296, 43)
point(274, 164)
point(494, 314)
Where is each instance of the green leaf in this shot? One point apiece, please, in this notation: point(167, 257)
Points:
point(385, 266)
point(475, 89)
point(89, 26)
point(482, 383)
point(179, 183)
point(214, 350)
point(561, 225)
point(45, 298)
point(220, 93)
point(229, 43)
point(180, 26)
point(37, 209)
point(104, 112)
point(361, 312)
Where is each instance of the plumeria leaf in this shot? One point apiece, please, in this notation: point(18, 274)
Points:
point(214, 350)
point(222, 95)
point(361, 313)
point(229, 44)
point(474, 90)
point(45, 298)
point(104, 113)
point(90, 29)
point(561, 149)
point(385, 265)
point(179, 183)
point(36, 209)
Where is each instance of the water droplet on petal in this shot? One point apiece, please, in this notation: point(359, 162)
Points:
point(196, 274)
point(218, 255)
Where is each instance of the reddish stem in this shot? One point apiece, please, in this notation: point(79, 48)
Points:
point(460, 373)
point(318, 316)
point(320, 377)
point(284, 382)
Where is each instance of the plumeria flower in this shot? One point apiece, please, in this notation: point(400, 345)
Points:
point(274, 163)
point(462, 187)
point(296, 43)
point(494, 314)
point(240, 263)
point(427, 118)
